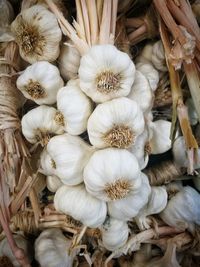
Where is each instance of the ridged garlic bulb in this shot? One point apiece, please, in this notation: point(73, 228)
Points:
point(141, 92)
point(69, 61)
point(40, 82)
point(37, 33)
point(115, 123)
point(40, 123)
point(114, 233)
point(75, 107)
point(78, 203)
point(106, 73)
point(182, 210)
point(126, 208)
point(52, 249)
point(69, 155)
point(158, 56)
point(53, 183)
point(156, 203)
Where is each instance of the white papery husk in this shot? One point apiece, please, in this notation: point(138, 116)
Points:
point(53, 183)
point(158, 56)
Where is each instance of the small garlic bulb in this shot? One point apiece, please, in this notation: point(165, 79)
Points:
point(52, 249)
point(78, 203)
point(158, 56)
point(69, 61)
point(40, 123)
point(37, 33)
point(106, 73)
point(53, 183)
point(182, 210)
point(193, 117)
point(40, 82)
point(126, 208)
point(114, 233)
point(141, 92)
point(68, 155)
point(75, 107)
point(145, 54)
point(115, 123)
point(156, 203)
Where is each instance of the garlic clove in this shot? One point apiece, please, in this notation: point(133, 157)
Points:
point(40, 82)
point(78, 203)
point(158, 56)
point(53, 183)
point(106, 73)
point(115, 123)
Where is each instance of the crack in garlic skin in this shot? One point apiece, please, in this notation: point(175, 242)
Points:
point(108, 82)
point(59, 118)
point(120, 136)
point(118, 189)
point(35, 90)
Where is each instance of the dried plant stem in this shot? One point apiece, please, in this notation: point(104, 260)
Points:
point(93, 20)
point(134, 22)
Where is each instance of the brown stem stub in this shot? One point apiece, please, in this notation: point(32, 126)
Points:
point(35, 90)
point(59, 118)
point(108, 82)
point(118, 189)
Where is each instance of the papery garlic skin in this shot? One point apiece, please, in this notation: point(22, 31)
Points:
point(114, 233)
point(78, 203)
point(158, 56)
point(47, 165)
point(115, 123)
point(69, 61)
point(52, 249)
point(156, 203)
point(112, 174)
point(129, 207)
point(40, 123)
point(53, 183)
point(37, 33)
point(40, 82)
point(106, 73)
point(145, 54)
point(75, 107)
point(182, 210)
point(70, 154)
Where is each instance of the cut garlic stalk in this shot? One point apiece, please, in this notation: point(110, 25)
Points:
point(158, 56)
point(53, 183)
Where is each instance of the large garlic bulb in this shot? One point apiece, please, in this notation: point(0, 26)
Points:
point(182, 210)
point(114, 233)
point(158, 56)
point(69, 61)
point(115, 123)
point(69, 155)
point(75, 107)
point(106, 73)
point(52, 249)
point(78, 203)
point(40, 123)
point(53, 183)
point(40, 82)
point(37, 33)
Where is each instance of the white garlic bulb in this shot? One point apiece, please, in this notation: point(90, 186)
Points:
point(158, 56)
point(53, 183)
point(40, 123)
point(47, 165)
point(150, 73)
point(69, 155)
point(126, 208)
point(193, 117)
point(115, 123)
point(75, 107)
point(37, 33)
point(145, 54)
point(52, 249)
point(106, 73)
point(69, 61)
point(78, 203)
point(40, 82)
point(141, 92)
point(182, 210)
point(156, 203)
point(114, 233)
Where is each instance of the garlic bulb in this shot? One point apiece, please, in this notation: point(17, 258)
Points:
point(52, 249)
point(156, 203)
point(69, 155)
point(37, 33)
point(115, 123)
point(158, 56)
point(145, 54)
point(114, 233)
point(47, 165)
point(53, 183)
point(150, 73)
point(40, 82)
point(106, 73)
point(69, 61)
point(75, 107)
point(193, 117)
point(141, 92)
point(78, 203)
point(127, 208)
point(22, 243)
point(40, 123)
point(182, 210)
